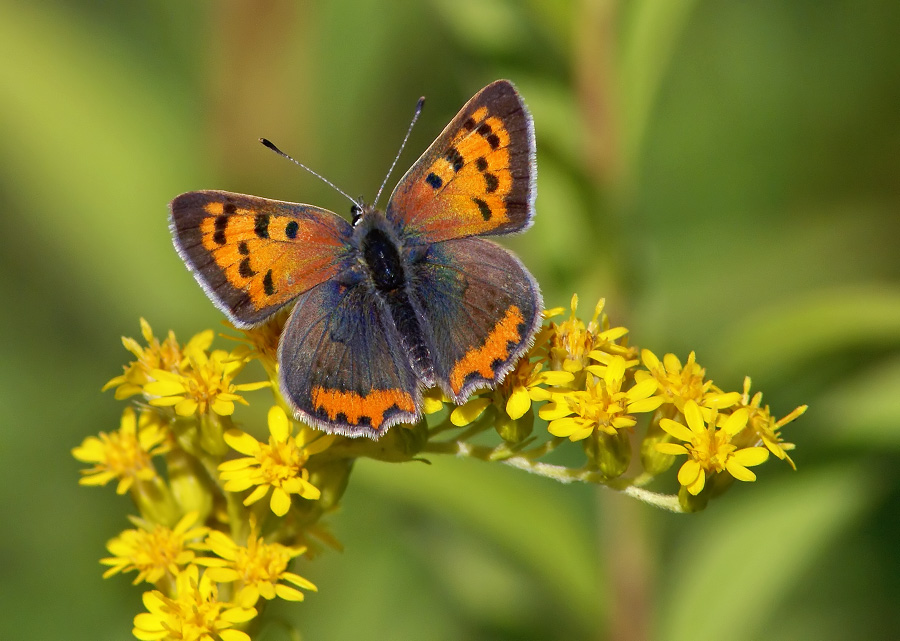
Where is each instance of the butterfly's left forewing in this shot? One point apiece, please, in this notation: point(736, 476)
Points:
point(254, 255)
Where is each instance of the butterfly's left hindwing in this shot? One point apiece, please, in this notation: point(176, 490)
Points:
point(253, 255)
point(342, 367)
point(481, 309)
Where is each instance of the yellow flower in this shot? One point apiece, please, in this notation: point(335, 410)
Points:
point(258, 567)
point(603, 406)
point(433, 401)
point(194, 614)
point(166, 355)
point(709, 447)
point(527, 383)
point(124, 454)
point(683, 383)
point(263, 340)
point(278, 465)
point(572, 341)
point(154, 550)
point(764, 425)
point(205, 385)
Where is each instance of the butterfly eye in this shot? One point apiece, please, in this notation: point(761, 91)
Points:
point(356, 212)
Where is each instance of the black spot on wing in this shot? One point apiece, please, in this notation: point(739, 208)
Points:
point(245, 270)
point(220, 225)
point(261, 226)
point(455, 158)
point(483, 208)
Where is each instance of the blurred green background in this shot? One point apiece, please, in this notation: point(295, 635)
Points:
point(725, 173)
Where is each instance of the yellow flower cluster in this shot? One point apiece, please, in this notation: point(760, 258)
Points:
point(211, 548)
point(593, 388)
point(197, 541)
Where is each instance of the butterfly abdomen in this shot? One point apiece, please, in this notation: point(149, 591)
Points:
point(387, 272)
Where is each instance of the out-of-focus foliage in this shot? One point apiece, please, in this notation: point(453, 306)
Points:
point(725, 174)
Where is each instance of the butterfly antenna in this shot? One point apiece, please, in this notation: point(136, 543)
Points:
point(270, 145)
point(415, 117)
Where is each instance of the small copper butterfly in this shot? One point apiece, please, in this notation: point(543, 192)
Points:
point(398, 300)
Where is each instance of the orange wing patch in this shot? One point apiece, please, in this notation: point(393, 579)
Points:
point(355, 406)
point(473, 176)
point(480, 360)
point(263, 254)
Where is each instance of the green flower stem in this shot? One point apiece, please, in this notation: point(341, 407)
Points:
point(558, 473)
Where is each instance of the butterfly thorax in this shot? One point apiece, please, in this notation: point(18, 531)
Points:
point(387, 265)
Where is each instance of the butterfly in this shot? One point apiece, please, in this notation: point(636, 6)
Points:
point(397, 301)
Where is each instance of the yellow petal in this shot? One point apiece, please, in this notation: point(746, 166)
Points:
point(431, 405)
point(280, 502)
point(676, 429)
point(564, 427)
point(672, 363)
point(279, 426)
point(465, 414)
point(646, 404)
point(615, 370)
point(738, 471)
point(255, 495)
point(649, 359)
point(186, 407)
point(554, 378)
point(643, 389)
point(751, 456)
point(694, 417)
point(519, 402)
point(554, 410)
point(671, 448)
point(221, 406)
point(736, 421)
point(163, 388)
point(242, 442)
point(288, 593)
point(689, 473)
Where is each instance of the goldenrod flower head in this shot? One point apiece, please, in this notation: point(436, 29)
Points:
point(572, 340)
point(263, 340)
point(206, 385)
point(257, 567)
point(194, 614)
point(603, 406)
point(124, 454)
point(679, 384)
point(154, 550)
point(765, 426)
point(709, 446)
point(166, 355)
point(277, 465)
point(528, 382)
